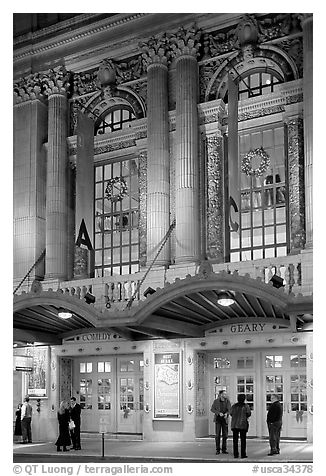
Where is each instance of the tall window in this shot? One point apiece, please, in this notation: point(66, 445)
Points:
point(262, 229)
point(115, 120)
point(116, 218)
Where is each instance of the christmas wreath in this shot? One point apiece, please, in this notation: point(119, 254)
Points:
point(246, 165)
point(116, 189)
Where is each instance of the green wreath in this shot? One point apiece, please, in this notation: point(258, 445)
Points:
point(246, 165)
point(116, 189)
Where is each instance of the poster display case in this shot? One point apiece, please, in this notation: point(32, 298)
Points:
point(167, 380)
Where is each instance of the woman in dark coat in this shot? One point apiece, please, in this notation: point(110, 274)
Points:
point(18, 422)
point(64, 434)
point(240, 413)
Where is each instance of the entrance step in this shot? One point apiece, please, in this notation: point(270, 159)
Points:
point(112, 436)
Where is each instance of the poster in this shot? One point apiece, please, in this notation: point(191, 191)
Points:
point(167, 386)
point(37, 379)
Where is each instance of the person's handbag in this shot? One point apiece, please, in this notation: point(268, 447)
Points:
point(71, 425)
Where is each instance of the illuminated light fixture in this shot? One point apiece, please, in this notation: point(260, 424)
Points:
point(225, 298)
point(268, 81)
point(89, 298)
point(277, 281)
point(64, 313)
point(148, 292)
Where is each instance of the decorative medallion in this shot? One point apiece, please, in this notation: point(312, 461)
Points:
point(260, 154)
point(116, 189)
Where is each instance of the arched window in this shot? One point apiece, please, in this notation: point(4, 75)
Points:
point(257, 82)
point(263, 224)
point(116, 119)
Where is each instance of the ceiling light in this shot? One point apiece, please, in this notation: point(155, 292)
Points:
point(225, 298)
point(64, 313)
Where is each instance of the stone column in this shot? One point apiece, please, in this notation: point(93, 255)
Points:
point(57, 175)
point(29, 170)
point(187, 147)
point(307, 26)
point(158, 161)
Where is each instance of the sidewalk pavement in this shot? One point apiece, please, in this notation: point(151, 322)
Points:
point(201, 450)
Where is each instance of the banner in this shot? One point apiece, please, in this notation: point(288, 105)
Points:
point(84, 197)
point(233, 156)
point(167, 386)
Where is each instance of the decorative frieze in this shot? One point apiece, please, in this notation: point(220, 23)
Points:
point(262, 30)
point(296, 184)
point(142, 227)
point(201, 385)
point(215, 200)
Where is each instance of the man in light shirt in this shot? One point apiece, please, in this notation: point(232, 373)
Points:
point(26, 418)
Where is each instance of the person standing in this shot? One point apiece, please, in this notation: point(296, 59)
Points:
point(26, 421)
point(221, 408)
point(240, 413)
point(75, 411)
point(64, 434)
point(274, 423)
point(18, 422)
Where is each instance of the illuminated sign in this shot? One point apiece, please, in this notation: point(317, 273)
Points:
point(23, 363)
point(167, 386)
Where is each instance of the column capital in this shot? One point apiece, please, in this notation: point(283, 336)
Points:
point(56, 81)
point(186, 42)
point(155, 51)
point(305, 18)
point(28, 88)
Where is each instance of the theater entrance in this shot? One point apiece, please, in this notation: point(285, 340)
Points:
point(110, 391)
point(258, 375)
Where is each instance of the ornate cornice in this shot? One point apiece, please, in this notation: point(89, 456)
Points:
point(80, 34)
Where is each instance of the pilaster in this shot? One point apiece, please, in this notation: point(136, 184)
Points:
point(29, 169)
point(307, 26)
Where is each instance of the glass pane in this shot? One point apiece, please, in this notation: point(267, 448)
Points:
point(281, 234)
point(82, 367)
point(257, 254)
point(269, 252)
point(100, 366)
point(107, 366)
point(281, 251)
point(269, 235)
point(234, 240)
point(89, 367)
point(235, 257)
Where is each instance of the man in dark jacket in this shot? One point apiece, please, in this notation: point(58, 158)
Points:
point(75, 411)
point(274, 423)
point(221, 407)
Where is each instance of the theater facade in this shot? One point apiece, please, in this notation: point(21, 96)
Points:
point(163, 219)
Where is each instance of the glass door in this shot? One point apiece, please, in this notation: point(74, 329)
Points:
point(287, 379)
point(130, 394)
